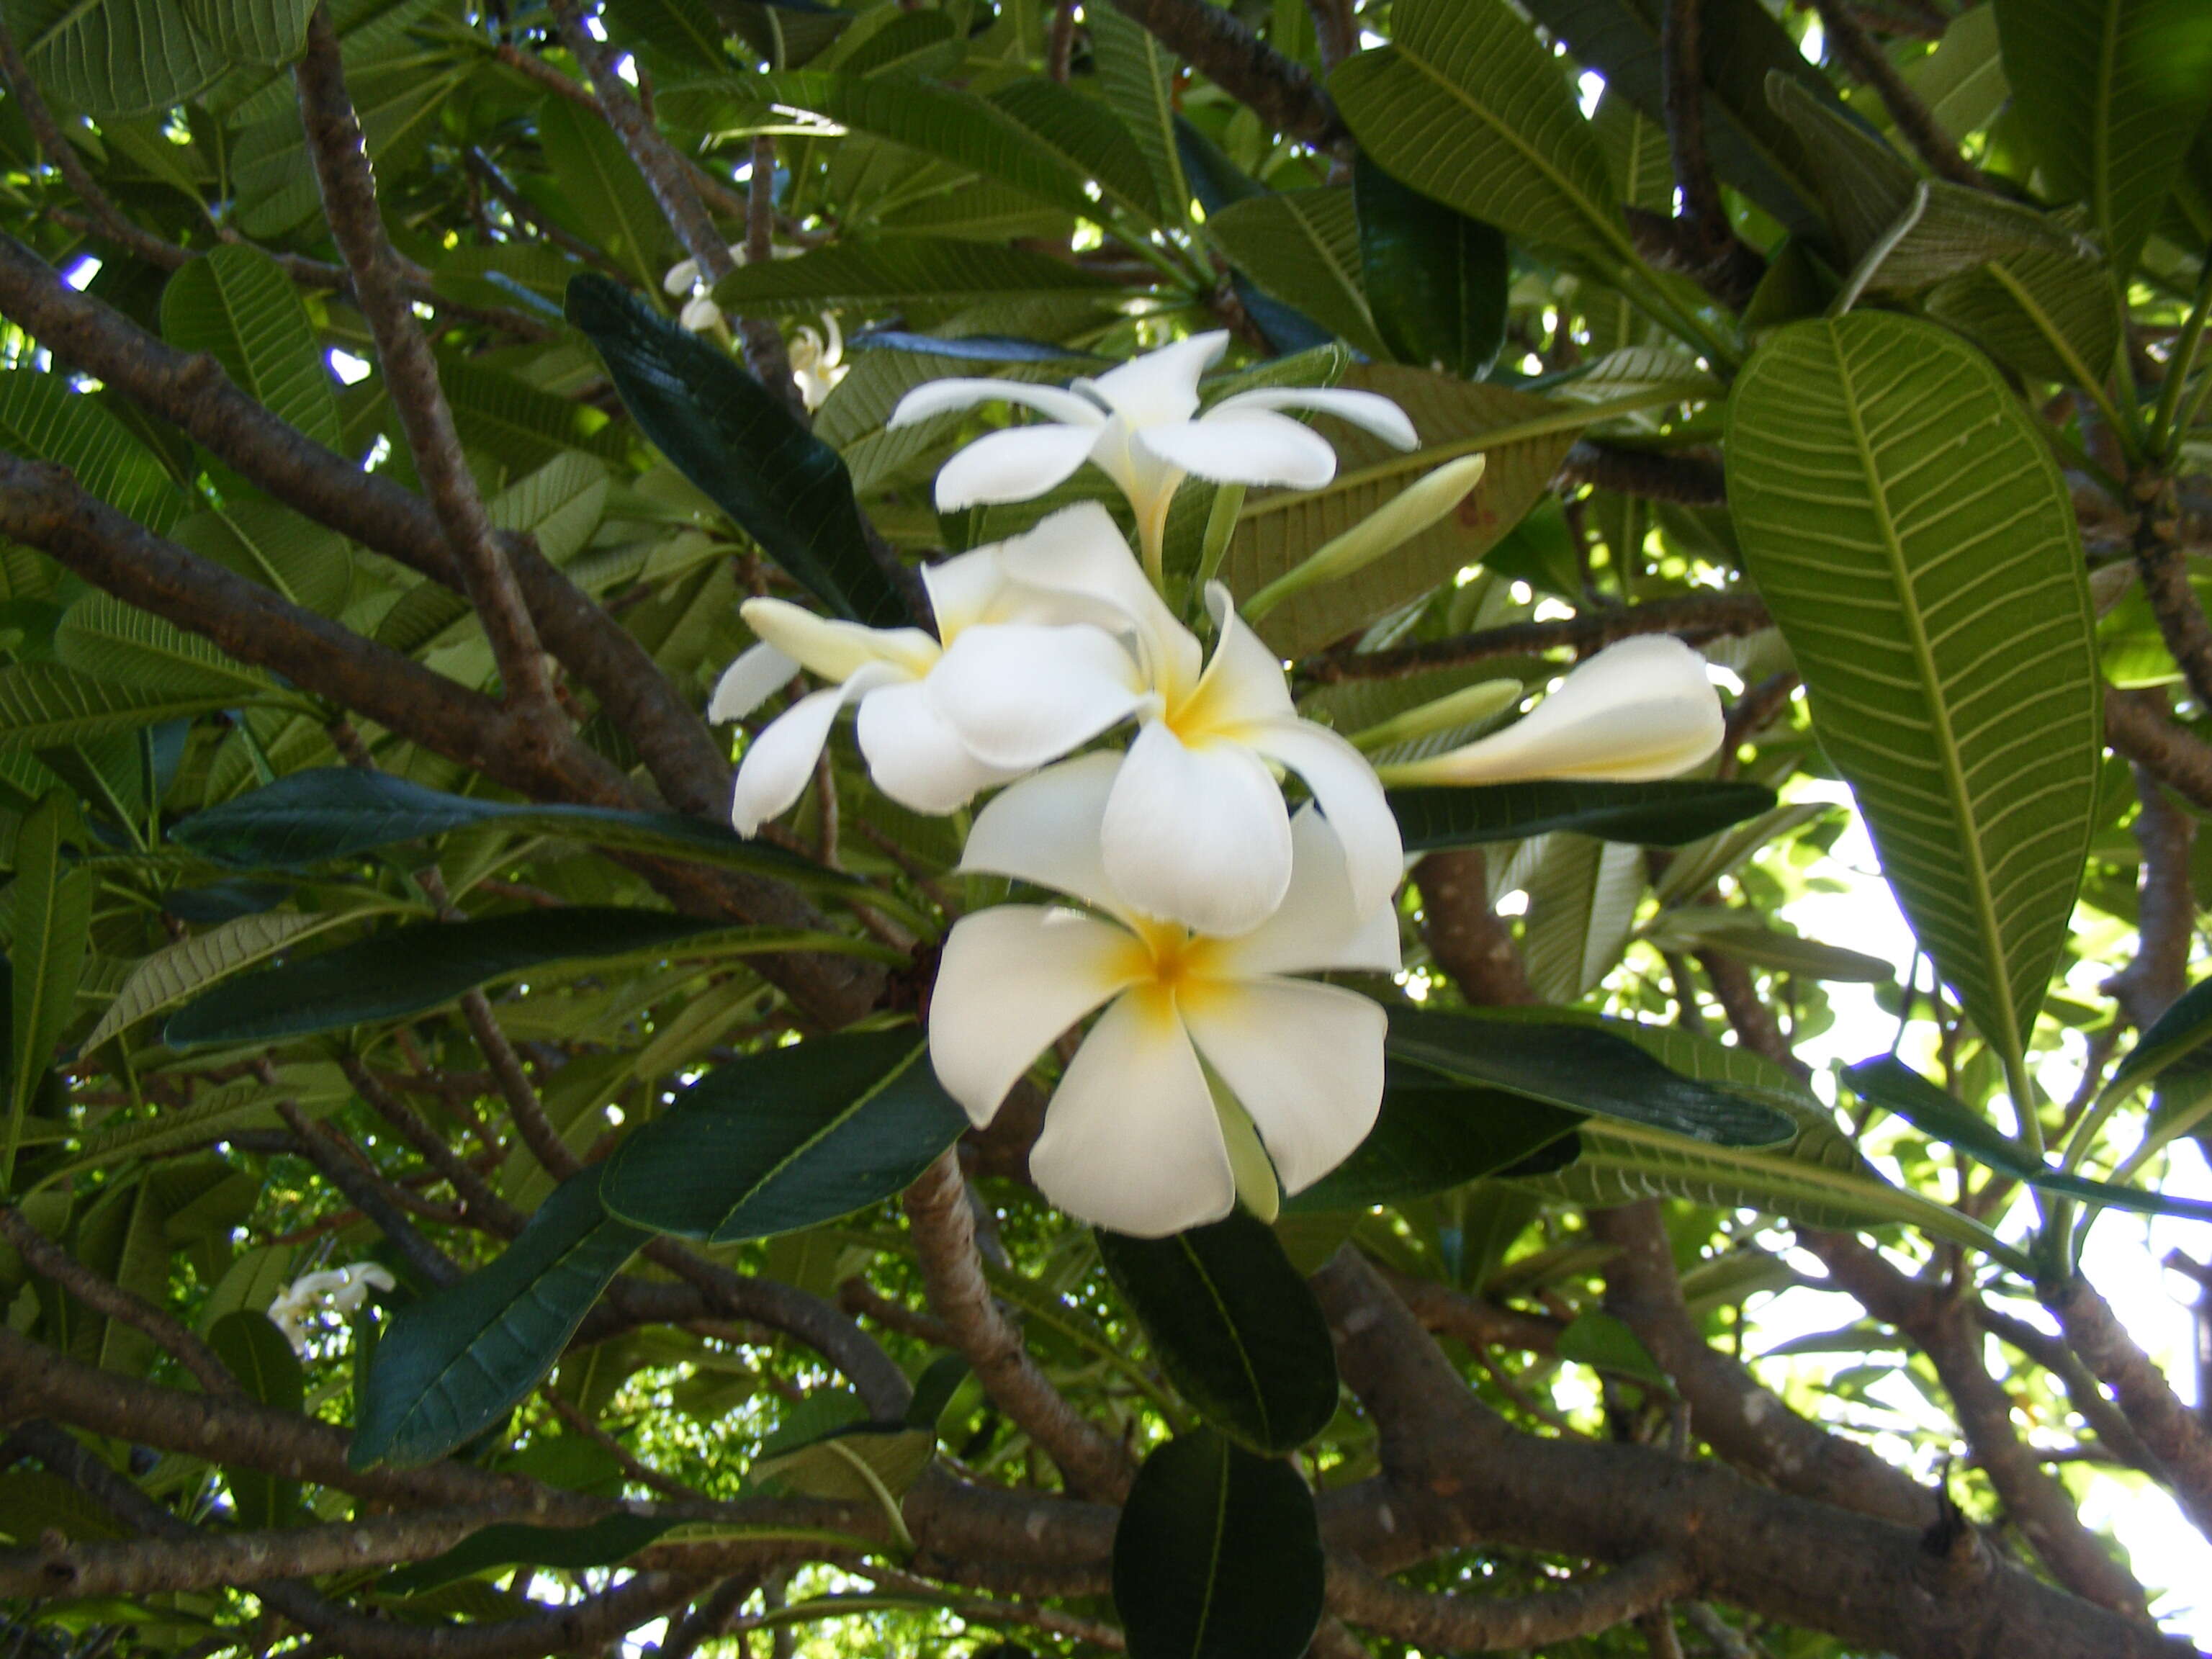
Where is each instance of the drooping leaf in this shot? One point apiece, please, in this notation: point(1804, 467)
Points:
point(1137, 75)
point(236, 304)
point(117, 644)
point(1434, 1134)
point(1668, 813)
point(1582, 897)
point(602, 193)
point(41, 418)
point(455, 1363)
point(255, 1352)
point(933, 272)
point(786, 1138)
point(1302, 246)
point(2181, 1030)
point(1942, 629)
point(729, 435)
point(242, 1102)
point(606, 1542)
point(1234, 1326)
point(1217, 1555)
point(51, 922)
point(1436, 280)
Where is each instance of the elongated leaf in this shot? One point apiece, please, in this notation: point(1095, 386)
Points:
point(51, 922)
point(255, 1352)
point(1234, 1327)
point(330, 812)
point(2048, 313)
point(1466, 105)
point(856, 1464)
point(271, 32)
point(1664, 814)
point(1942, 628)
point(1582, 1069)
point(406, 971)
point(729, 435)
point(237, 304)
point(1137, 74)
point(1524, 437)
point(118, 644)
point(1302, 246)
point(42, 417)
point(2178, 1032)
point(935, 272)
point(46, 705)
point(601, 1543)
point(115, 57)
point(1433, 1135)
point(1217, 1555)
point(1582, 905)
point(243, 1102)
point(786, 1138)
point(602, 194)
point(1435, 280)
point(273, 545)
point(455, 1363)
point(1948, 229)
point(2111, 93)
point(1786, 953)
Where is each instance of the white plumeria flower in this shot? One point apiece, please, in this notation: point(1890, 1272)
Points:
point(700, 314)
point(915, 755)
point(1134, 1138)
point(1140, 424)
point(342, 1290)
point(1197, 830)
point(815, 365)
point(1641, 710)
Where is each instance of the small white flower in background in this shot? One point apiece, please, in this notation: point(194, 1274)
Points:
point(1140, 423)
point(1197, 830)
point(1136, 1138)
point(915, 755)
point(340, 1290)
point(816, 367)
point(700, 314)
point(1641, 710)
point(683, 276)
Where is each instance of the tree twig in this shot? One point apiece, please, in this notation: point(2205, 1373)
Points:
point(1221, 46)
point(1858, 52)
point(49, 1261)
point(1694, 616)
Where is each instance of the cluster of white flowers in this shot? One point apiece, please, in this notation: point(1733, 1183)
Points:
point(818, 356)
point(1215, 1072)
point(299, 1306)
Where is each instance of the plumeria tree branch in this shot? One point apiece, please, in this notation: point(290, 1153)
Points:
point(1225, 50)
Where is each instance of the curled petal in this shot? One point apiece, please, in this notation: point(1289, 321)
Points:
point(1015, 464)
point(1078, 554)
point(1020, 694)
point(915, 757)
point(1369, 411)
point(940, 396)
point(1641, 709)
point(1317, 926)
point(776, 769)
point(1046, 829)
point(1244, 686)
point(1246, 447)
point(833, 649)
point(1161, 386)
point(1131, 1141)
point(1011, 981)
point(1197, 835)
point(757, 674)
point(963, 590)
point(1305, 1061)
point(1350, 795)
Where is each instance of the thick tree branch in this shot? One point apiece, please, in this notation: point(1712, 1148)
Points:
point(2138, 725)
point(1695, 616)
point(1222, 47)
point(1467, 938)
point(1692, 478)
point(1484, 1623)
point(2173, 1433)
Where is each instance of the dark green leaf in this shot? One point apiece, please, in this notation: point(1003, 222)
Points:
point(455, 1363)
point(940, 272)
point(933, 1390)
point(2179, 1031)
point(1664, 814)
point(1217, 1555)
point(1435, 279)
point(603, 1543)
point(1583, 1069)
point(786, 1138)
point(1234, 1327)
point(51, 922)
point(255, 1352)
point(404, 972)
point(737, 441)
point(1434, 1134)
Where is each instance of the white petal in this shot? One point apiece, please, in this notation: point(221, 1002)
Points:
point(1316, 927)
point(372, 1274)
point(1350, 795)
point(1641, 709)
point(1130, 1140)
point(700, 314)
point(1010, 982)
point(1244, 685)
point(776, 769)
point(1020, 694)
point(1078, 553)
point(963, 590)
point(915, 757)
point(1046, 829)
point(936, 397)
point(1161, 386)
point(833, 649)
point(1305, 1061)
point(679, 277)
point(1198, 835)
point(1369, 411)
point(1247, 447)
point(1015, 464)
point(758, 673)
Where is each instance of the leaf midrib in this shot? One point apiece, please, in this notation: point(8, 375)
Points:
point(769, 1175)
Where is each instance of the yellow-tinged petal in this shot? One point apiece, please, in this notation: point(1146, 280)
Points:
point(1304, 1059)
point(833, 649)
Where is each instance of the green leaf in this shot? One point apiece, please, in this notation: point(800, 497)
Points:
point(46, 705)
point(51, 922)
point(858, 1464)
point(1890, 1084)
point(115, 57)
point(1783, 953)
point(1217, 1555)
point(1435, 280)
point(41, 417)
point(2110, 94)
point(1434, 1134)
point(1302, 246)
point(606, 1542)
point(281, 549)
point(453, 1364)
point(940, 273)
point(1234, 1327)
point(1085, 134)
point(1670, 813)
point(2048, 313)
point(412, 969)
point(106, 639)
point(328, 812)
point(602, 194)
point(1524, 436)
point(2182, 1029)
point(1466, 105)
point(236, 304)
point(255, 1352)
point(1582, 897)
point(1582, 1069)
point(1962, 81)
point(1137, 75)
point(1942, 628)
point(729, 435)
point(1607, 1343)
point(786, 1138)
point(271, 32)
point(242, 1102)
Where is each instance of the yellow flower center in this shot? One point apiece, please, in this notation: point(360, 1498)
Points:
point(1171, 965)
